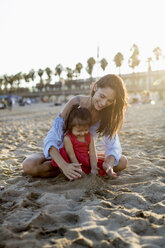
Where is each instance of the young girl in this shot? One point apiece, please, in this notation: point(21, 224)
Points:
point(79, 145)
point(107, 104)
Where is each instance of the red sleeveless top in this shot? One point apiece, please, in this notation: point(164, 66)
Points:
point(81, 150)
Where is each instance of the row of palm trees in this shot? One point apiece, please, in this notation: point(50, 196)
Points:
point(12, 82)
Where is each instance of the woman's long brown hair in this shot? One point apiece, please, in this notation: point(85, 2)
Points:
point(111, 117)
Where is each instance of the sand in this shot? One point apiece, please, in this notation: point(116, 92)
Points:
point(128, 211)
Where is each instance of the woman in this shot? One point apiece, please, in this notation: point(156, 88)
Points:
point(107, 104)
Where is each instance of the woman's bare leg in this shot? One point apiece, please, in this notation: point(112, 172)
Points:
point(37, 165)
point(122, 164)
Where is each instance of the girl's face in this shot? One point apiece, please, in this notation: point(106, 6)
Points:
point(103, 98)
point(79, 131)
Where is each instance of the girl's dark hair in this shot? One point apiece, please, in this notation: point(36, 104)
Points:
point(111, 118)
point(77, 116)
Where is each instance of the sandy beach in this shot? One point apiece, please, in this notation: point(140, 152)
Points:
point(128, 211)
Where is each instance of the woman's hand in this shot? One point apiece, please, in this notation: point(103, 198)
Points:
point(109, 171)
point(108, 166)
point(72, 171)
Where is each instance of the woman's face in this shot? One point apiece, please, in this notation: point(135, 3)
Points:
point(103, 98)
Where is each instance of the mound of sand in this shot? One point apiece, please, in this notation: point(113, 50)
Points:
point(128, 211)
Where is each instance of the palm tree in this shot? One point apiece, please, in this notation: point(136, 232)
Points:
point(58, 70)
point(118, 59)
point(134, 60)
point(148, 81)
point(26, 77)
point(40, 74)
point(103, 64)
point(70, 73)
point(18, 77)
point(5, 81)
point(31, 74)
point(11, 81)
point(78, 68)
point(90, 64)
point(48, 72)
point(1, 83)
point(157, 52)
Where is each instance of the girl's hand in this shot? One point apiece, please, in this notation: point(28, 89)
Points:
point(94, 170)
point(72, 171)
point(109, 170)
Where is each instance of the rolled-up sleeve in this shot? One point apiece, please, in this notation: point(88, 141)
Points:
point(54, 136)
point(112, 147)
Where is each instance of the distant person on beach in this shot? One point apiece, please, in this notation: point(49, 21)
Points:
point(136, 98)
point(79, 147)
point(146, 97)
point(107, 104)
point(9, 102)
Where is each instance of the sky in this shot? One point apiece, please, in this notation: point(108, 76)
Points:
point(43, 33)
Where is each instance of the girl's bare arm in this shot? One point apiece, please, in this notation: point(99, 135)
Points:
point(69, 150)
point(92, 156)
